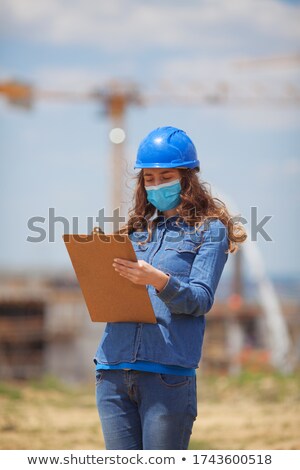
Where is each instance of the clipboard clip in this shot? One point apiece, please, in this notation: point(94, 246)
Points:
point(97, 231)
point(115, 236)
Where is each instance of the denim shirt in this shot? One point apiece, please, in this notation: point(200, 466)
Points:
point(180, 307)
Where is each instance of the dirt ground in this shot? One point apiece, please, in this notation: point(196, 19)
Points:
point(251, 411)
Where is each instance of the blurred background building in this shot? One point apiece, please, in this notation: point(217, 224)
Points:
point(45, 328)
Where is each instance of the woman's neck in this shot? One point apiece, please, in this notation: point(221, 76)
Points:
point(170, 212)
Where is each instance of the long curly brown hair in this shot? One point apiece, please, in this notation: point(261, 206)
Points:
point(197, 206)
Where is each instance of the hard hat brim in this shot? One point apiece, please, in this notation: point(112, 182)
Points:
point(166, 165)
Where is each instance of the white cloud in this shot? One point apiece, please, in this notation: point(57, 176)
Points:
point(122, 24)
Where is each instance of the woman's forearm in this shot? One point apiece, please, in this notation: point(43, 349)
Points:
point(162, 281)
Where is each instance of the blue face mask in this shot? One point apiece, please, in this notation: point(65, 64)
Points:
point(164, 196)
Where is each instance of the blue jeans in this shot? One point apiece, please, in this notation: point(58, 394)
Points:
point(145, 410)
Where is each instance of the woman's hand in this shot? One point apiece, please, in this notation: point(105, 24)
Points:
point(141, 272)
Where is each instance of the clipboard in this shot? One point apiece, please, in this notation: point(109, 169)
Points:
point(109, 297)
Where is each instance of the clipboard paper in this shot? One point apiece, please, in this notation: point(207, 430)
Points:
point(109, 297)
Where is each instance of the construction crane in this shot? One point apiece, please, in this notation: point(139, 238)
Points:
point(116, 97)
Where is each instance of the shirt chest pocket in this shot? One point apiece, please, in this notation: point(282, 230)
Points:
point(177, 258)
point(141, 251)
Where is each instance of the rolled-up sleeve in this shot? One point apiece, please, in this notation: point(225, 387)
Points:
point(196, 297)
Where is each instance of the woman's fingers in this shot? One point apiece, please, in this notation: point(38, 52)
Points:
point(125, 262)
point(139, 272)
point(132, 278)
point(123, 269)
point(132, 275)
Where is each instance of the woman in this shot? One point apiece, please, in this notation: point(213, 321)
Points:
point(146, 389)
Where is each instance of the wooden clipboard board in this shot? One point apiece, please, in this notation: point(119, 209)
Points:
point(109, 297)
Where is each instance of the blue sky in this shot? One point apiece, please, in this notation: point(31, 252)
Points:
point(58, 154)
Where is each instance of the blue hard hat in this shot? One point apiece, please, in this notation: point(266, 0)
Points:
point(167, 147)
